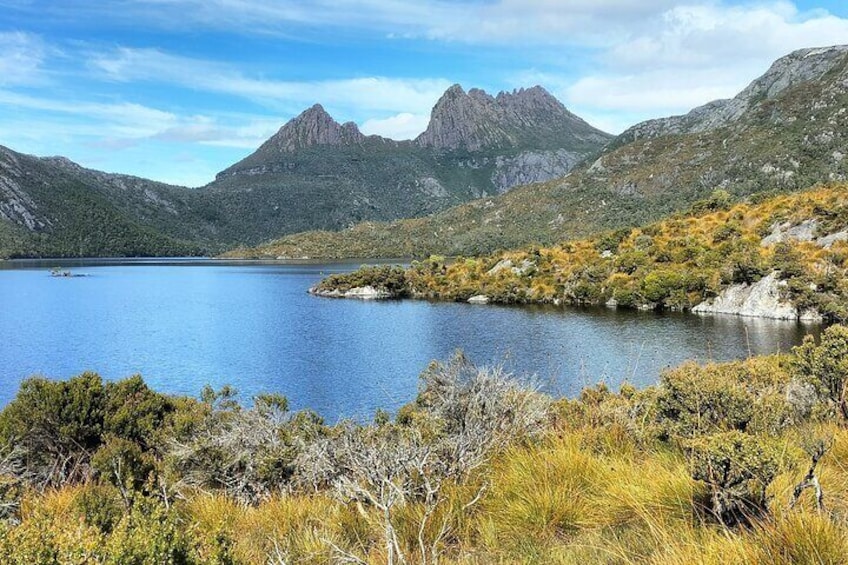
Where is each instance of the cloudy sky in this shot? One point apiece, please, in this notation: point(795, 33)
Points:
point(177, 90)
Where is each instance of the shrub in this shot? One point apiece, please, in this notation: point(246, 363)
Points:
point(123, 464)
point(695, 400)
point(60, 424)
point(737, 468)
point(825, 366)
point(57, 423)
point(134, 412)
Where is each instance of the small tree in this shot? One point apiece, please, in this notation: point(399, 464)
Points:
point(462, 415)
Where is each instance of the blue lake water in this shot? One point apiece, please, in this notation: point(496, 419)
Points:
point(184, 324)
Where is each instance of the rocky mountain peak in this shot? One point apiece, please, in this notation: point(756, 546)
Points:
point(312, 127)
point(475, 120)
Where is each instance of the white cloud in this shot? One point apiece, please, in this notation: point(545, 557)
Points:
point(697, 53)
point(354, 95)
point(122, 125)
point(400, 126)
point(22, 57)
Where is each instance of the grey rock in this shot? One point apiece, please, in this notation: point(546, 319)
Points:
point(477, 120)
point(314, 127)
point(827, 241)
point(531, 167)
point(359, 292)
point(782, 233)
point(763, 299)
point(507, 264)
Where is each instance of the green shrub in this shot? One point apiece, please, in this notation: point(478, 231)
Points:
point(100, 506)
point(825, 366)
point(134, 412)
point(737, 468)
point(695, 400)
point(58, 423)
point(123, 464)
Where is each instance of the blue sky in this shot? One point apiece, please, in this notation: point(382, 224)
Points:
point(177, 90)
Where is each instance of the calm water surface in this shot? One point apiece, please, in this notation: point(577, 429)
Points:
point(186, 324)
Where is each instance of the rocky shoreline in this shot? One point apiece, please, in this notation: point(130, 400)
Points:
point(360, 292)
point(762, 299)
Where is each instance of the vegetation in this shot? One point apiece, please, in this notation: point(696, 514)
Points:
point(673, 264)
point(712, 465)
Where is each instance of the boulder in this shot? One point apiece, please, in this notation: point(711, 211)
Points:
point(759, 300)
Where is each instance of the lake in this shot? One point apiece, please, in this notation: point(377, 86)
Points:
point(186, 323)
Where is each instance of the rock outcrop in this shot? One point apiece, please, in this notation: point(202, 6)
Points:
point(475, 120)
point(762, 299)
point(313, 127)
point(360, 292)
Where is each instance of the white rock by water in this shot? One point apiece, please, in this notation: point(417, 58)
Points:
point(368, 293)
point(760, 300)
point(479, 299)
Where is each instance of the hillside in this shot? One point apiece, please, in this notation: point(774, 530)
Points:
point(786, 131)
point(53, 207)
point(782, 257)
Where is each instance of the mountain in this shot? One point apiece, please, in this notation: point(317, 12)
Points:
point(786, 131)
point(53, 207)
point(317, 173)
point(475, 121)
point(314, 173)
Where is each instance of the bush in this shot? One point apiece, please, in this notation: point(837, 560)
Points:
point(59, 424)
point(123, 464)
point(737, 468)
point(695, 400)
point(825, 366)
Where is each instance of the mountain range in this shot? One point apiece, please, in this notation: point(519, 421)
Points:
point(314, 173)
point(785, 131)
point(489, 172)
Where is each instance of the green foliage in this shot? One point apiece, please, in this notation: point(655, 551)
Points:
point(383, 277)
point(694, 401)
point(55, 421)
point(68, 421)
point(122, 463)
point(825, 366)
point(134, 412)
point(100, 505)
point(737, 468)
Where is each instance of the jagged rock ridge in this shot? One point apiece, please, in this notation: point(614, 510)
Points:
point(476, 120)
